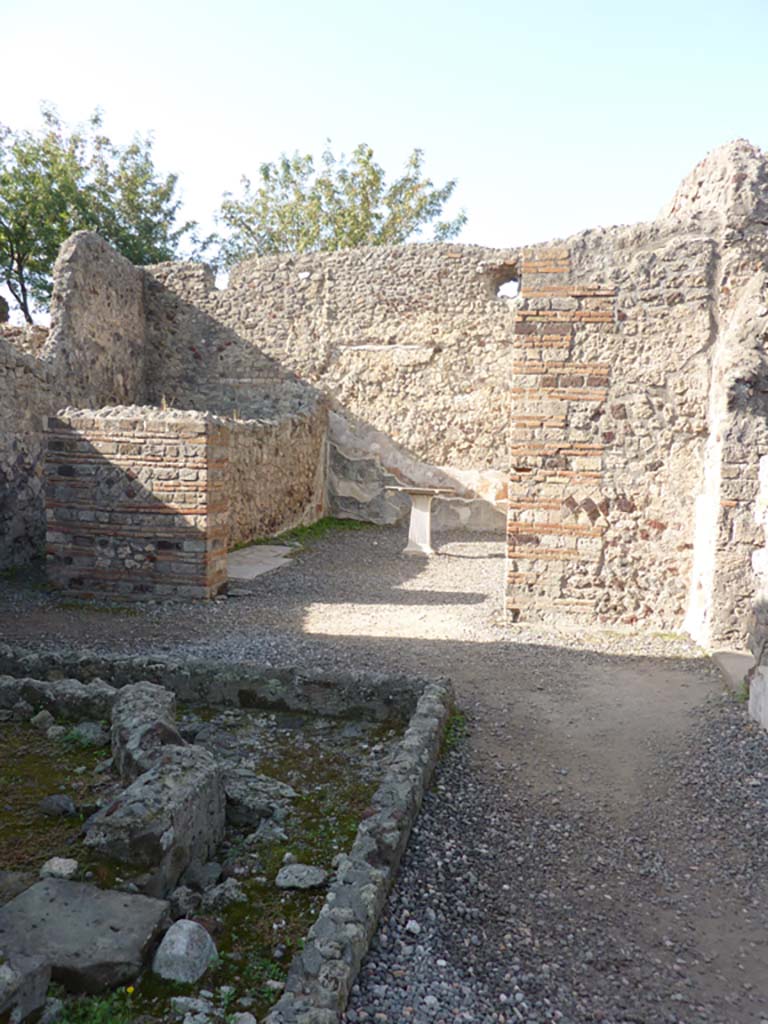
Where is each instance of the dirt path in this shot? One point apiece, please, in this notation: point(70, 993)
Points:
point(612, 808)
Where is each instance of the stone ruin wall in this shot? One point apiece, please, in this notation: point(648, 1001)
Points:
point(622, 391)
point(104, 348)
point(410, 343)
point(25, 398)
point(92, 355)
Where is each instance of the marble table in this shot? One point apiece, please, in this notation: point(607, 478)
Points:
point(420, 527)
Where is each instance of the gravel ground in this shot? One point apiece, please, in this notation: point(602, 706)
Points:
point(592, 851)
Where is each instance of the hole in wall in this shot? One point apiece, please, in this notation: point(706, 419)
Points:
point(503, 280)
point(508, 290)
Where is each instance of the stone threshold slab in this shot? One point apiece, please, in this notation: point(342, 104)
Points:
point(248, 563)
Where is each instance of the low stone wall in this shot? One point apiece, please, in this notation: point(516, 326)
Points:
point(323, 971)
point(136, 502)
point(144, 503)
point(276, 474)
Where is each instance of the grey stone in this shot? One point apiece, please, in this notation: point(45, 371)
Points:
point(24, 981)
point(90, 734)
point(21, 711)
point(58, 805)
point(202, 876)
point(93, 939)
point(185, 953)
point(43, 720)
point(250, 798)
point(223, 896)
point(59, 867)
point(300, 876)
point(184, 902)
point(142, 726)
point(66, 699)
point(242, 1018)
point(183, 1005)
point(170, 816)
point(55, 732)
point(54, 1008)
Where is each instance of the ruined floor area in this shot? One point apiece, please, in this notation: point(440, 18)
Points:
point(594, 849)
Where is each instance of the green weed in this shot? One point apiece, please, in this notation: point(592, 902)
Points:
point(112, 1009)
point(303, 535)
point(455, 730)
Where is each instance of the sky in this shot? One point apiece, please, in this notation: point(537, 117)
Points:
point(553, 117)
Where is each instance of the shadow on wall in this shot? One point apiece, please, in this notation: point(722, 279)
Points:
point(136, 506)
point(195, 361)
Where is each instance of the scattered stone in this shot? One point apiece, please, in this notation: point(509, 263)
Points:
point(24, 981)
point(55, 732)
point(94, 939)
point(90, 734)
point(269, 831)
point(21, 711)
point(169, 816)
point(58, 805)
point(242, 1018)
point(300, 876)
point(181, 1006)
point(67, 699)
point(142, 725)
point(202, 876)
point(185, 953)
point(223, 896)
point(184, 902)
point(42, 721)
point(250, 798)
point(54, 1008)
point(59, 867)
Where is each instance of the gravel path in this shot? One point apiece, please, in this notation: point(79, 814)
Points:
point(594, 850)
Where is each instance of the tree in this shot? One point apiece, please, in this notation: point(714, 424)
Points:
point(59, 181)
point(294, 208)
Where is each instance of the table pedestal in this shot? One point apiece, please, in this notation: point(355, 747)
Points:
point(420, 527)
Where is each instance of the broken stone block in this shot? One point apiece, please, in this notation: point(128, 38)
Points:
point(251, 798)
point(24, 983)
point(142, 726)
point(184, 902)
point(66, 699)
point(59, 867)
point(58, 805)
point(92, 938)
point(185, 953)
point(170, 816)
point(300, 876)
point(43, 720)
point(90, 734)
point(202, 876)
point(223, 896)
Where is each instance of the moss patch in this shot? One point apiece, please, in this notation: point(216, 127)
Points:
point(31, 768)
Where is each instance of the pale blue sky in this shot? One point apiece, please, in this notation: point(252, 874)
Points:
point(554, 116)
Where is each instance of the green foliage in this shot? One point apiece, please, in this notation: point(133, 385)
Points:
point(61, 180)
point(455, 730)
point(112, 1009)
point(295, 207)
point(300, 535)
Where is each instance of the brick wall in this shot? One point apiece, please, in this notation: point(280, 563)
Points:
point(557, 503)
point(136, 503)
